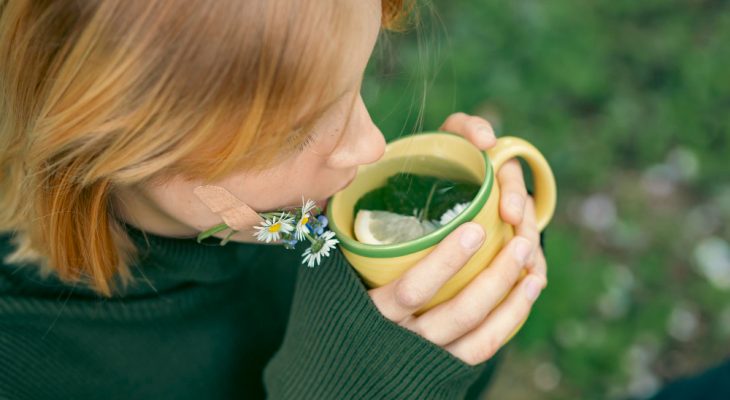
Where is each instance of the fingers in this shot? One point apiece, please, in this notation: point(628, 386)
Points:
point(540, 266)
point(514, 194)
point(528, 229)
point(477, 130)
point(482, 343)
point(452, 319)
point(234, 212)
point(405, 295)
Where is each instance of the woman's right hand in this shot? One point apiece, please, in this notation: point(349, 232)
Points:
point(476, 323)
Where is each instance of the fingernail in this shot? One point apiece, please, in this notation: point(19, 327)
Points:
point(522, 249)
point(471, 238)
point(532, 288)
point(516, 202)
point(486, 131)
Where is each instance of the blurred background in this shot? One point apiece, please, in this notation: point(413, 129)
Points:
point(629, 102)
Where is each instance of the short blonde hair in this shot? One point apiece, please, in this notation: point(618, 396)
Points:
point(100, 94)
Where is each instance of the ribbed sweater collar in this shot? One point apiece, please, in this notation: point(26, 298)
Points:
point(170, 260)
point(164, 263)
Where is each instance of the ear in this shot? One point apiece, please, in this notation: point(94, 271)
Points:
point(234, 212)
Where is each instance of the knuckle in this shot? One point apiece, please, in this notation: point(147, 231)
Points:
point(484, 351)
point(453, 118)
point(466, 318)
point(409, 296)
point(454, 264)
point(531, 234)
point(503, 281)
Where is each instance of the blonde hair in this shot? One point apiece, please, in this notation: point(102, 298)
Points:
point(100, 94)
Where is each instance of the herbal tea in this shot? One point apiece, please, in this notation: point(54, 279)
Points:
point(411, 205)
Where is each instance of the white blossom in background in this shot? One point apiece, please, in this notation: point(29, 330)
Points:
point(680, 165)
point(659, 180)
point(684, 162)
point(598, 212)
point(701, 221)
point(547, 376)
point(683, 323)
point(570, 333)
point(643, 383)
point(712, 257)
point(614, 303)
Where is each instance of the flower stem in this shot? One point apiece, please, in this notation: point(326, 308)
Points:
point(225, 240)
point(308, 236)
point(424, 212)
point(212, 231)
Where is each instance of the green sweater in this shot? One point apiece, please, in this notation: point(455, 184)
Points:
point(205, 321)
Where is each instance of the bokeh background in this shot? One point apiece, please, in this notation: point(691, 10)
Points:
point(630, 102)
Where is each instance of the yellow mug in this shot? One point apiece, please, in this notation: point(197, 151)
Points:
point(444, 155)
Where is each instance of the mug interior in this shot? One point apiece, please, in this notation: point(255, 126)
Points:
point(462, 161)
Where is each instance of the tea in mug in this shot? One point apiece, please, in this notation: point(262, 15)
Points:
point(410, 205)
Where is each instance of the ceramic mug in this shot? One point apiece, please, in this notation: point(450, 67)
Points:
point(462, 161)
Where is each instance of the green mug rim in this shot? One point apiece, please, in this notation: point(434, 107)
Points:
point(426, 241)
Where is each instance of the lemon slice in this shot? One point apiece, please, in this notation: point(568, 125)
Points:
point(385, 227)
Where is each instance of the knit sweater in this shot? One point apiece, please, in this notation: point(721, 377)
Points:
point(204, 321)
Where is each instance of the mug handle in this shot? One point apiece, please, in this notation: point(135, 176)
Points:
point(508, 147)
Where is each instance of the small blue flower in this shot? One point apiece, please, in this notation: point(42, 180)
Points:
point(319, 230)
point(323, 220)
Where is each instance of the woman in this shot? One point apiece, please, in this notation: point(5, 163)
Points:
point(113, 112)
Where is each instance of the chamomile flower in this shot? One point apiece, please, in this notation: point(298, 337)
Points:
point(282, 225)
point(320, 248)
point(301, 228)
point(453, 212)
point(272, 228)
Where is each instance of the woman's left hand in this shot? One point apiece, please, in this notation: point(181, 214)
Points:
point(511, 181)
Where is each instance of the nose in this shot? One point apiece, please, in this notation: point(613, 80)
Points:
point(364, 145)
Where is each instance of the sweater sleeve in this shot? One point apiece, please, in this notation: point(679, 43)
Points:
point(339, 346)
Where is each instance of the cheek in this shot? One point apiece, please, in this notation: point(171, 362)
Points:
point(315, 179)
point(176, 201)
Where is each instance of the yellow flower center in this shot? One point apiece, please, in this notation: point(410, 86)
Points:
point(305, 219)
point(275, 227)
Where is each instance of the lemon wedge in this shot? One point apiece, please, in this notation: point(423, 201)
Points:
point(385, 227)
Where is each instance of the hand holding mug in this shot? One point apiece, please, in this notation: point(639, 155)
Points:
point(474, 324)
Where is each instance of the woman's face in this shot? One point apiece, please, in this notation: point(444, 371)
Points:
point(323, 167)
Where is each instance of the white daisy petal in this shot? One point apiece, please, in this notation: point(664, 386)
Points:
point(272, 228)
point(328, 242)
point(301, 227)
point(307, 206)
